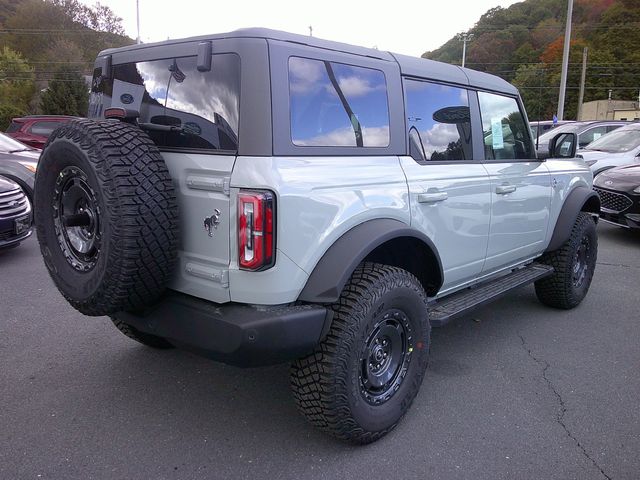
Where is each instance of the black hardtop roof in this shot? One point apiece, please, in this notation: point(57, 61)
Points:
point(411, 66)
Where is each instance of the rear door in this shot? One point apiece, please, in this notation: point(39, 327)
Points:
point(192, 116)
point(449, 190)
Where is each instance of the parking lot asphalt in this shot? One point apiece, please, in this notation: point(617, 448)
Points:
point(516, 391)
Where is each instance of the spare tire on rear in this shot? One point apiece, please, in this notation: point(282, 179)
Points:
point(106, 216)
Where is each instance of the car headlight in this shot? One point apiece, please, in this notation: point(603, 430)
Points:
point(637, 189)
point(30, 165)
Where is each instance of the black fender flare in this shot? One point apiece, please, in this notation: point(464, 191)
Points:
point(580, 199)
point(332, 272)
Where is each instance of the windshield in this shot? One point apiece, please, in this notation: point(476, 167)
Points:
point(568, 128)
point(620, 140)
point(8, 144)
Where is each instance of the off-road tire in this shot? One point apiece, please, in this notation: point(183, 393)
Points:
point(560, 290)
point(141, 337)
point(136, 216)
point(327, 384)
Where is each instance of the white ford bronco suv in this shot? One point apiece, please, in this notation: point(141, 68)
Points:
point(260, 197)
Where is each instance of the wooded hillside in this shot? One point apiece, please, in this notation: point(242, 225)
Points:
point(524, 43)
point(45, 42)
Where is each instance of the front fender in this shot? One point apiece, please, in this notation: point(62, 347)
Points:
point(580, 199)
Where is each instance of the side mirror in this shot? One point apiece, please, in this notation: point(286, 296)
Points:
point(563, 145)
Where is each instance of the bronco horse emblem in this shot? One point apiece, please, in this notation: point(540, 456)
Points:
point(211, 223)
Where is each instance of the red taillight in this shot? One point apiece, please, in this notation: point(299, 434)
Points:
point(256, 242)
point(121, 113)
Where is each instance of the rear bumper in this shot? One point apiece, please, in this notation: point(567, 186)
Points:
point(236, 334)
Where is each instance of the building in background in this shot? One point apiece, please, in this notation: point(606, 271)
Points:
point(610, 110)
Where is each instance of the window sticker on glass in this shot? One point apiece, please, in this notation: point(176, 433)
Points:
point(596, 136)
point(496, 133)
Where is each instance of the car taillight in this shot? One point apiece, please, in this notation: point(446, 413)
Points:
point(256, 229)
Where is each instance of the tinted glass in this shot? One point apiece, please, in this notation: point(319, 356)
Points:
point(197, 109)
point(438, 120)
point(506, 135)
point(14, 127)
point(621, 140)
point(333, 104)
point(585, 138)
point(44, 128)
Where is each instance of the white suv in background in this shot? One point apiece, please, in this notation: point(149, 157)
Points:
point(620, 147)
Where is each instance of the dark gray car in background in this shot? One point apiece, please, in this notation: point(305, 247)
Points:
point(15, 214)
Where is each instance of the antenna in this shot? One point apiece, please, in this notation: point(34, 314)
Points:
point(310, 31)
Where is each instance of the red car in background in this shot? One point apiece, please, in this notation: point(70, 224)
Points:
point(33, 130)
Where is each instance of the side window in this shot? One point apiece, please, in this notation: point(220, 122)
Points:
point(179, 106)
point(44, 128)
point(438, 121)
point(503, 128)
point(585, 138)
point(336, 105)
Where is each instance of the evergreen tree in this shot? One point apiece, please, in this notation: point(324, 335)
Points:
point(67, 94)
point(16, 86)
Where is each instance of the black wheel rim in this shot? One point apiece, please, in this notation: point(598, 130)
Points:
point(581, 262)
point(385, 358)
point(77, 219)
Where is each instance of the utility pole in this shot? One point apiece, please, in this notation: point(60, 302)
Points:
point(582, 80)
point(465, 38)
point(138, 20)
point(565, 61)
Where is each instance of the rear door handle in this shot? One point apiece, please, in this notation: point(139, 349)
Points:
point(504, 189)
point(432, 197)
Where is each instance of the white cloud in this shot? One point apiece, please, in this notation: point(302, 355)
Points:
point(438, 137)
point(355, 86)
point(305, 75)
point(345, 137)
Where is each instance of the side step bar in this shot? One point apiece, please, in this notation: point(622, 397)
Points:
point(450, 307)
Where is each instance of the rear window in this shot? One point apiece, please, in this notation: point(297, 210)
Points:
point(337, 105)
point(14, 127)
point(44, 128)
point(179, 106)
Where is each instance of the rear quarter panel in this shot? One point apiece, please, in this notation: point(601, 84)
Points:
point(318, 200)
